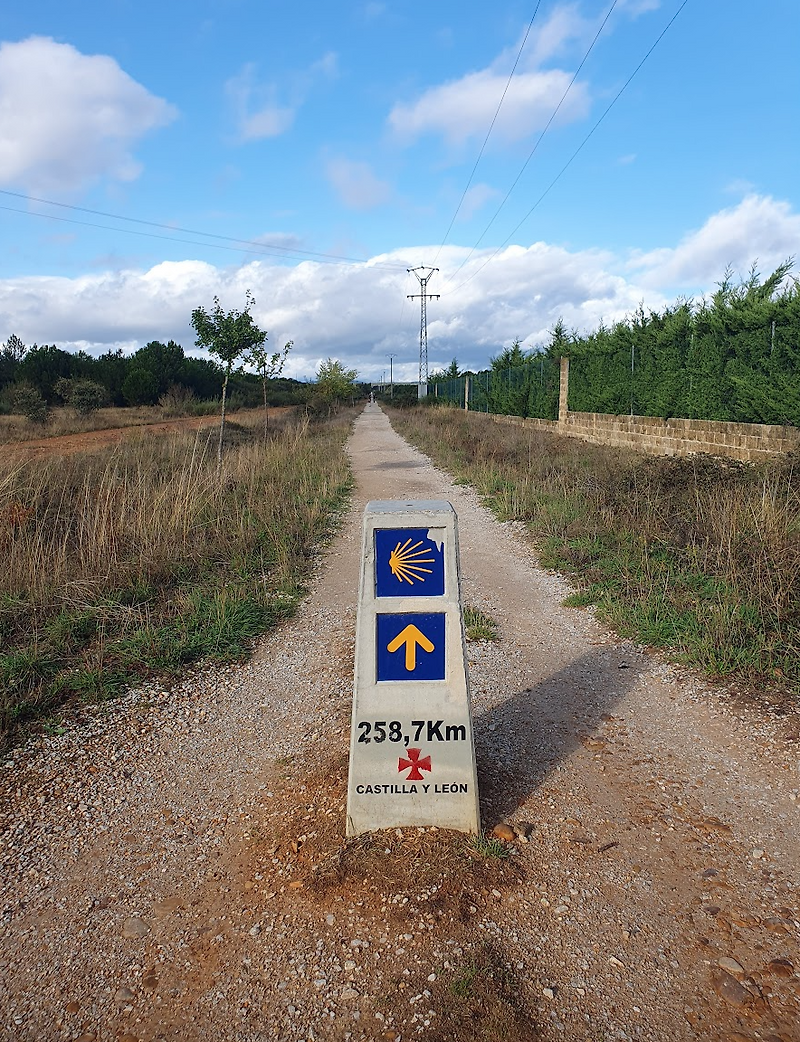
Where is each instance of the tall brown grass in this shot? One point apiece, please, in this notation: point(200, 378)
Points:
point(700, 555)
point(63, 420)
point(139, 557)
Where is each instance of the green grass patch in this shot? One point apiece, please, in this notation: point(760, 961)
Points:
point(584, 598)
point(488, 846)
point(699, 556)
point(478, 625)
point(462, 984)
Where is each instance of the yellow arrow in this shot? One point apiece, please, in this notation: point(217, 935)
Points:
point(410, 636)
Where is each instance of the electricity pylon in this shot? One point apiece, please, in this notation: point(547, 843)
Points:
point(422, 386)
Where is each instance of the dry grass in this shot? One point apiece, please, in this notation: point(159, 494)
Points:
point(698, 555)
point(63, 420)
point(139, 558)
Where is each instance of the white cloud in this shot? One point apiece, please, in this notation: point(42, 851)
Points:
point(564, 25)
point(258, 114)
point(475, 199)
point(327, 67)
point(257, 110)
point(68, 118)
point(740, 186)
point(356, 184)
point(358, 312)
point(351, 311)
point(465, 107)
point(636, 7)
point(758, 228)
point(269, 121)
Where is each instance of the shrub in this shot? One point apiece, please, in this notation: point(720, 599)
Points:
point(27, 401)
point(140, 387)
point(84, 396)
point(177, 400)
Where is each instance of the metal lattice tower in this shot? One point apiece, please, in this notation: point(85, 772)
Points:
point(424, 296)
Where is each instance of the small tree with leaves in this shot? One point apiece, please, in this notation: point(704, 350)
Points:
point(335, 383)
point(268, 366)
point(230, 336)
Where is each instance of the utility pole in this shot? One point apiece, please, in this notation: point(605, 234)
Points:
point(391, 377)
point(422, 386)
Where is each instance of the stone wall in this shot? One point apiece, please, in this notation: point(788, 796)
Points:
point(673, 437)
point(524, 421)
point(742, 441)
point(676, 437)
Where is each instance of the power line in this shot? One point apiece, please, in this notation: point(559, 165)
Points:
point(132, 231)
point(538, 141)
point(262, 247)
point(489, 131)
point(571, 159)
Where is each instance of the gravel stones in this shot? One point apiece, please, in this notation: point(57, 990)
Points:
point(130, 914)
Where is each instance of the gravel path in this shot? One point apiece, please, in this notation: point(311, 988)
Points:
point(172, 864)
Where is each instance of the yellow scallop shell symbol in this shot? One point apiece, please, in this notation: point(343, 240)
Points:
point(406, 562)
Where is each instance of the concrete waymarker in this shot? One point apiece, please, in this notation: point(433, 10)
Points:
point(412, 754)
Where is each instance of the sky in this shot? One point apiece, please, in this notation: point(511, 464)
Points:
point(552, 160)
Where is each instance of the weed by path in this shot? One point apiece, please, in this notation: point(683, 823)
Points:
point(478, 625)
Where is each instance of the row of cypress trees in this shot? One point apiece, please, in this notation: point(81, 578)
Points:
point(733, 356)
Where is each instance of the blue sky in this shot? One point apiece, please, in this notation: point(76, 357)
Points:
point(336, 140)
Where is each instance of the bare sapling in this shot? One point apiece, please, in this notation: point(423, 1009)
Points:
point(268, 366)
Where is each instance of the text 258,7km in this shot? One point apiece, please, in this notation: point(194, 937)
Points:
point(418, 731)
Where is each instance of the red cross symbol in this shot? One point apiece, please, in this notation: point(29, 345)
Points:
point(417, 766)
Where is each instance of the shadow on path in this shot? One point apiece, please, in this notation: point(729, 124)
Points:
point(519, 742)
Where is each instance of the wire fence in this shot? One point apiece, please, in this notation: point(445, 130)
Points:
point(526, 390)
point(749, 376)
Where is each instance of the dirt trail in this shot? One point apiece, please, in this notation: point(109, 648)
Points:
point(88, 441)
point(173, 867)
